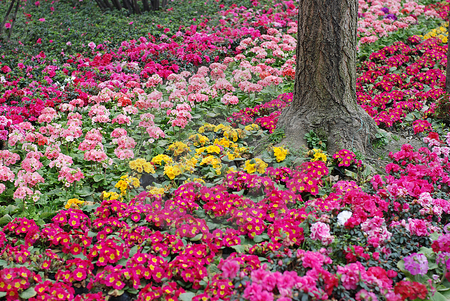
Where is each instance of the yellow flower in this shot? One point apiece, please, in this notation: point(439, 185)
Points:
point(252, 127)
point(73, 203)
point(190, 164)
point(251, 166)
point(223, 142)
point(213, 149)
point(133, 164)
point(122, 185)
point(231, 169)
point(319, 155)
point(160, 158)
point(148, 167)
point(114, 196)
point(135, 182)
point(218, 127)
point(207, 127)
point(156, 191)
point(231, 156)
point(197, 180)
point(200, 150)
point(171, 171)
point(199, 139)
point(280, 153)
point(440, 32)
point(178, 148)
point(211, 160)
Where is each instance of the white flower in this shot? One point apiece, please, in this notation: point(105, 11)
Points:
point(343, 217)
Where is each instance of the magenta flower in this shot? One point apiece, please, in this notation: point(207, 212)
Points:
point(416, 264)
point(8, 25)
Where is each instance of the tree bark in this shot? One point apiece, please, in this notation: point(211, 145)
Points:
point(108, 5)
point(325, 80)
point(127, 5)
point(117, 4)
point(13, 19)
point(155, 4)
point(6, 16)
point(145, 4)
point(101, 5)
point(137, 10)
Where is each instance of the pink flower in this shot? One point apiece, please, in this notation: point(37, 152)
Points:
point(365, 295)
point(6, 69)
point(42, 19)
point(230, 269)
point(350, 275)
point(321, 231)
point(255, 292)
point(418, 227)
point(7, 25)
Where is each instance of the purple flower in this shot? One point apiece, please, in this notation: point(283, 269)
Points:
point(385, 10)
point(391, 16)
point(416, 264)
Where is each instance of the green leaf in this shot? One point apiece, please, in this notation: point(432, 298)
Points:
point(81, 256)
point(410, 117)
point(401, 266)
point(85, 191)
point(123, 261)
point(239, 248)
point(5, 219)
point(240, 192)
point(186, 296)
point(196, 237)
point(438, 297)
point(98, 178)
point(28, 293)
point(258, 238)
point(132, 290)
point(2, 294)
point(133, 250)
point(434, 236)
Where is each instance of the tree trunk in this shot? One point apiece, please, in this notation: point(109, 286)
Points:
point(117, 4)
point(101, 5)
point(6, 16)
point(108, 5)
point(13, 19)
point(137, 10)
point(127, 5)
point(155, 4)
point(325, 80)
point(145, 4)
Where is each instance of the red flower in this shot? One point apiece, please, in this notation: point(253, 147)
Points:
point(79, 274)
point(411, 290)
